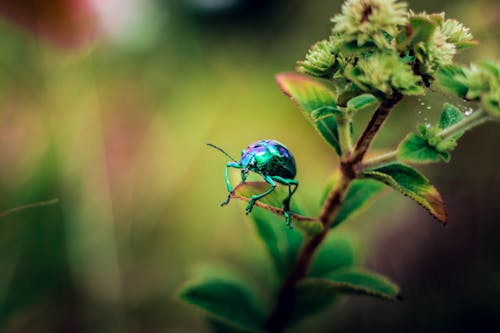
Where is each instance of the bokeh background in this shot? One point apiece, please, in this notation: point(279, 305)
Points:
point(107, 105)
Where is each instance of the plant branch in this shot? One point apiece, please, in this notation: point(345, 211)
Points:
point(476, 118)
point(286, 296)
point(345, 138)
point(275, 210)
point(374, 125)
point(27, 206)
point(380, 160)
point(349, 165)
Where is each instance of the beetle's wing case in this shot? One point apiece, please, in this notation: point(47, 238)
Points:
point(287, 160)
point(270, 157)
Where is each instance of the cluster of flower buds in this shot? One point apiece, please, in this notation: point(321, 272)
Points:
point(383, 48)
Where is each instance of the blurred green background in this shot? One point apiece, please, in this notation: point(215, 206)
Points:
point(115, 127)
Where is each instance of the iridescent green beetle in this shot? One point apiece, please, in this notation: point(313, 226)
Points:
point(274, 162)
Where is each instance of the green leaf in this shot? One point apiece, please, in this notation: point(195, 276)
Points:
point(357, 199)
point(353, 48)
point(355, 281)
point(447, 75)
point(335, 253)
point(311, 96)
point(281, 243)
point(415, 149)
point(450, 116)
point(466, 44)
point(419, 29)
point(428, 146)
point(362, 102)
point(346, 91)
point(491, 67)
point(226, 299)
point(407, 58)
point(325, 111)
point(316, 294)
point(354, 74)
point(491, 103)
point(412, 184)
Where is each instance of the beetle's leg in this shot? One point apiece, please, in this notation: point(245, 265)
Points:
point(228, 183)
point(256, 197)
point(286, 202)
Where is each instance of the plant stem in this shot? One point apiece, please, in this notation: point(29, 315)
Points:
point(275, 210)
point(476, 118)
point(349, 165)
point(345, 138)
point(374, 126)
point(27, 206)
point(380, 160)
point(286, 296)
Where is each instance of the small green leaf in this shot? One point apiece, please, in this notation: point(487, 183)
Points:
point(354, 74)
point(411, 183)
point(325, 111)
point(415, 149)
point(448, 144)
point(226, 299)
point(491, 67)
point(447, 78)
point(407, 58)
point(357, 199)
point(281, 244)
point(353, 48)
point(356, 281)
point(466, 44)
point(428, 146)
point(311, 96)
point(491, 103)
point(346, 91)
point(450, 116)
point(361, 102)
point(335, 253)
point(316, 294)
point(419, 29)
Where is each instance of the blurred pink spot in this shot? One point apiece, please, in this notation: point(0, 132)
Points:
point(67, 23)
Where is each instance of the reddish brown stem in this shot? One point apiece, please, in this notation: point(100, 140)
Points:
point(286, 296)
point(376, 122)
point(275, 210)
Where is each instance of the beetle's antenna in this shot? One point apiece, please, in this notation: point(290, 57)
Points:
point(222, 151)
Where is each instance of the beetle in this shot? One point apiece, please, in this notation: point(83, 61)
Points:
point(273, 162)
